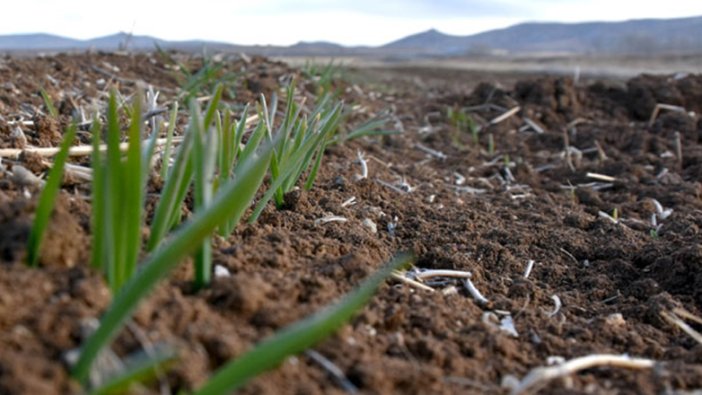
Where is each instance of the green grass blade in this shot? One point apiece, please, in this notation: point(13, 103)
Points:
point(97, 224)
point(139, 370)
point(269, 116)
point(278, 197)
point(327, 131)
point(298, 336)
point(315, 169)
point(331, 120)
point(299, 132)
point(133, 195)
point(228, 227)
point(114, 188)
point(181, 192)
point(212, 107)
point(225, 134)
point(47, 198)
point(49, 103)
point(204, 156)
point(321, 106)
point(292, 113)
point(298, 169)
point(169, 141)
point(202, 259)
point(258, 134)
point(373, 127)
point(170, 194)
point(232, 201)
point(239, 136)
point(281, 150)
point(203, 264)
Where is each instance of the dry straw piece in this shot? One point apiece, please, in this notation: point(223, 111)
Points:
point(504, 116)
point(79, 150)
point(539, 377)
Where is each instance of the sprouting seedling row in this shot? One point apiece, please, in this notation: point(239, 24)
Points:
point(224, 175)
point(118, 185)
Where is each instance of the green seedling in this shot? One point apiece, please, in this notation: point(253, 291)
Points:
point(301, 143)
point(47, 198)
point(298, 147)
point(230, 202)
point(204, 155)
point(49, 104)
point(210, 75)
point(462, 123)
point(118, 191)
point(205, 79)
point(179, 177)
point(323, 77)
point(231, 135)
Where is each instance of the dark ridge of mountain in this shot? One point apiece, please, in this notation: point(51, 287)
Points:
point(35, 41)
point(431, 40)
point(629, 37)
point(317, 45)
point(124, 40)
point(632, 37)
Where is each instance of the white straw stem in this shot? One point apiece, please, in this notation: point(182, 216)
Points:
point(80, 150)
point(540, 376)
point(475, 293)
point(505, 115)
point(442, 273)
point(401, 277)
point(530, 266)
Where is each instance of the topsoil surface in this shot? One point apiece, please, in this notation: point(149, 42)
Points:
point(488, 208)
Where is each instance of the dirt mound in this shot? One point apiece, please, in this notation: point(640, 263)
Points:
point(646, 91)
point(556, 98)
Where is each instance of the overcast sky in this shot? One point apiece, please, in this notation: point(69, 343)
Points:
point(349, 22)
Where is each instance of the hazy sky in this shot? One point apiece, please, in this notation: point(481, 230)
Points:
point(350, 22)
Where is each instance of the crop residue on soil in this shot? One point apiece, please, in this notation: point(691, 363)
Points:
point(535, 193)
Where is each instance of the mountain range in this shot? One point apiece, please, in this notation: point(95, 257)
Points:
point(634, 37)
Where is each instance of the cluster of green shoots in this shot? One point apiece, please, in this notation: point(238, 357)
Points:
point(323, 77)
point(210, 74)
point(224, 174)
point(462, 123)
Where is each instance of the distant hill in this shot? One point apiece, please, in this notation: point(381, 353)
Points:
point(16, 42)
point(629, 37)
point(429, 40)
point(317, 45)
point(121, 41)
point(636, 37)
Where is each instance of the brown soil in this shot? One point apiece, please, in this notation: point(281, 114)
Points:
point(613, 279)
